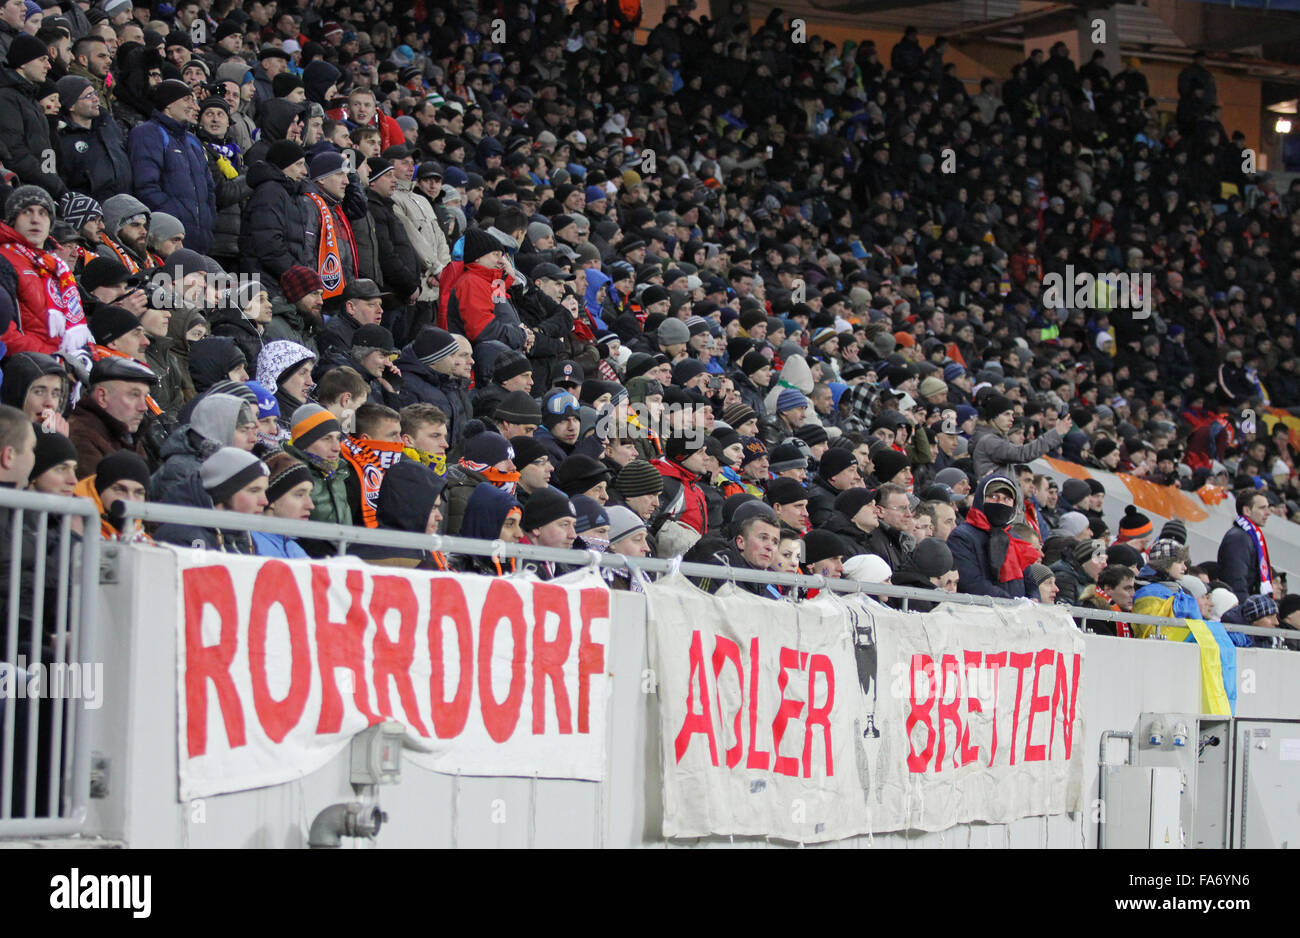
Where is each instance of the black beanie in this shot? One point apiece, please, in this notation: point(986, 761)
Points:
point(836, 460)
point(850, 501)
point(25, 48)
point(819, 545)
point(284, 153)
point(785, 491)
point(110, 323)
point(51, 449)
point(115, 467)
point(544, 506)
point(888, 463)
point(479, 243)
point(679, 447)
point(1104, 447)
point(527, 451)
point(168, 92)
point(995, 404)
point(932, 557)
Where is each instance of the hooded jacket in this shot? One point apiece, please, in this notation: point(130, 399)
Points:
point(275, 224)
point(979, 572)
point(21, 370)
point(190, 535)
point(25, 133)
point(677, 478)
point(289, 322)
point(278, 357)
point(171, 175)
point(212, 359)
point(406, 498)
point(116, 211)
point(485, 513)
point(273, 120)
point(30, 330)
point(480, 307)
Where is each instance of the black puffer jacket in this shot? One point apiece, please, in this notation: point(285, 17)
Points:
point(273, 119)
point(397, 257)
point(422, 385)
point(274, 226)
point(25, 134)
point(212, 359)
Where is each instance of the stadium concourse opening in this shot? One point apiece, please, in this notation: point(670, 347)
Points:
point(403, 355)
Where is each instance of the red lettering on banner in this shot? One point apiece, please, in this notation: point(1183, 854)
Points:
point(1020, 660)
point(757, 758)
point(817, 716)
point(447, 601)
point(393, 658)
point(503, 602)
point(549, 657)
point(920, 713)
point(592, 605)
point(1037, 753)
point(340, 645)
point(996, 662)
point(210, 586)
point(701, 721)
point(276, 586)
point(786, 711)
point(948, 712)
point(1058, 693)
point(969, 753)
point(724, 649)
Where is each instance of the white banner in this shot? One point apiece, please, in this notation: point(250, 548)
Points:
point(280, 663)
point(824, 719)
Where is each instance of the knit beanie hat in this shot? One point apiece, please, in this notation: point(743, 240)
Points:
point(812, 434)
point(672, 332)
point(995, 404)
point(590, 513)
point(432, 345)
point(227, 471)
point(124, 464)
point(110, 323)
point(789, 399)
point(215, 417)
point(638, 478)
point(486, 448)
point(77, 209)
point(25, 48)
point(479, 243)
point(785, 457)
point(785, 491)
point(834, 461)
point(851, 501)
point(622, 522)
point(1174, 529)
point(164, 227)
point(821, 545)
point(932, 557)
point(1134, 524)
point(557, 406)
point(1038, 574)
point(71, 87)
point(1086, 550)
point(518, 407)
point(298, 281)
point(26, 196)
point(737, 414)
point(547, 505)
point(1124, 555)
point(754, 449)
point(753, 362)
point(286, 474)
point(527, 451)
point(1072, 524)
point(888, 463)
point(309, 423)
point(51, 449)
point(579, 473)
point(510, 364)
point(168, 92)
point(1074, 491)
point(1104, 447)
point(284, 153)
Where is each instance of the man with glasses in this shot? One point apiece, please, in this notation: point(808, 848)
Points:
point(891, 539)
point(91, 142)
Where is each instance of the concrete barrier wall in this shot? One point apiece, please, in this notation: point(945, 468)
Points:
point(137, 729)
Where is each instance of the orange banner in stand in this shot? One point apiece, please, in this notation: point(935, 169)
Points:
point(1164, 500)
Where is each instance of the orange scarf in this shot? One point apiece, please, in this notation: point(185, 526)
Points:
point(329, 262)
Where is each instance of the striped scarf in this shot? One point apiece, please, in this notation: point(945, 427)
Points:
point(371, 459)
point(1261, 551)
point(65, 319)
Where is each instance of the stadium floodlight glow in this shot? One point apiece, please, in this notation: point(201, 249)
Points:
point(1282, 126)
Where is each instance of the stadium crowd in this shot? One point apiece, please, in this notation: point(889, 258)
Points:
point(527, 273)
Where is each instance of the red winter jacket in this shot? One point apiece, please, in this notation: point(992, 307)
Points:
point(473, 295)
point(30, 331)
point(695, 513)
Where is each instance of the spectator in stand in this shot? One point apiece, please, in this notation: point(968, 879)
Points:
point(288, 495)
point(989, 561)
point(1243, 553)
point(110, 413)
point(233, 480)
point(550, 520)
point(169, 167)
point(51, 318)
point(410, 500)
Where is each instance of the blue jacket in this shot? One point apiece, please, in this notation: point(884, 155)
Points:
point(171, 175)
point(276, 545)
point(970, 552)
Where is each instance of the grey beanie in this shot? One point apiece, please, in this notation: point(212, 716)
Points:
point(538, 230)
point(24, 197)
point(71, 87)
point(1072, 524)
point(164, 227)
point(933, 557)
point(215, 417)
point(227, 471)
point(673, 332)
point(622, 522)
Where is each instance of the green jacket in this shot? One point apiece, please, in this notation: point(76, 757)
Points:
point(329, 494)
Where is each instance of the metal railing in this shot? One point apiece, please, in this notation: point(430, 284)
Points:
point(49, 639)
point(343, 535)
